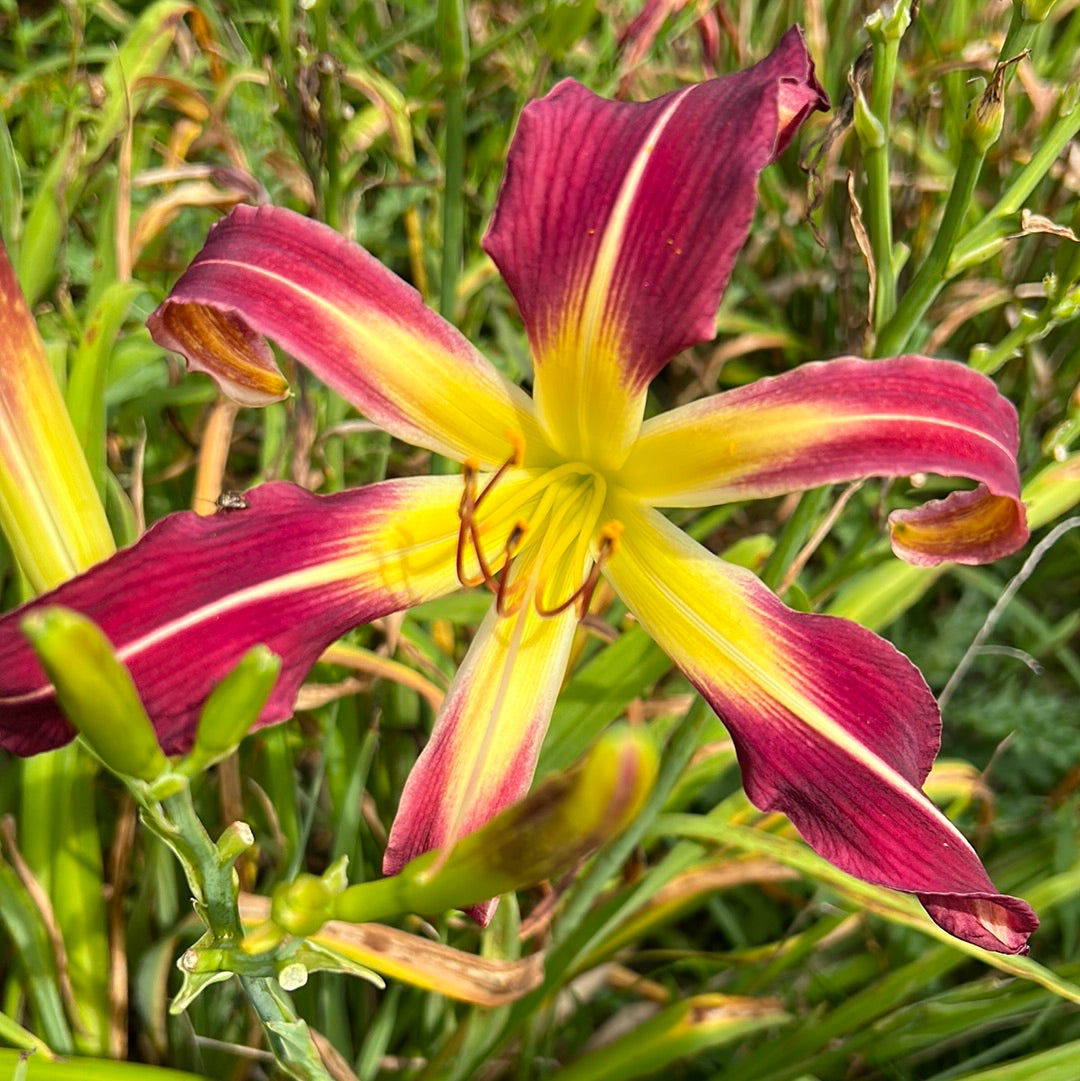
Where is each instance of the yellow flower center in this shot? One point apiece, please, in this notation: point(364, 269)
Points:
point(535, 536)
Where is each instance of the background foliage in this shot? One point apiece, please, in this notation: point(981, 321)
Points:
point(710, 934)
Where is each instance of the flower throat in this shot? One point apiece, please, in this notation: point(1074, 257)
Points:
point(550, 527)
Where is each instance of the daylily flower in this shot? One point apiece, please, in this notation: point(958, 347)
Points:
point(616, 229)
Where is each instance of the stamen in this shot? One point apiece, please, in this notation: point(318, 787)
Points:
point(466, 527)
point(566, 514)
point(517, 454)
point(609, 542)
point(470, 502)
point(504, 603)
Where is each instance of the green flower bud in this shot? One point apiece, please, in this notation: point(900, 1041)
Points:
point(563, 820)
point(233, 707)
point(302, 906)
point(890, 21)
point(868, 128)
point(95, 691)
point(986, 116)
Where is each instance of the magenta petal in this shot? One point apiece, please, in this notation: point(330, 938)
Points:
point(886, 833)
point(993, 921)
point(841, 420)
point(572, 183)
point(182, 606)
point(832, 726)
point(354, 323)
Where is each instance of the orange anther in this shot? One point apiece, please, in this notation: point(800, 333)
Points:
point(610, 536)
point(517, 442)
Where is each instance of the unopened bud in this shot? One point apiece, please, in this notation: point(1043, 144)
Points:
point(95, 691)
point(890, 21)
point(302, 906)
point(986, 115)
point(868, 128)
point(233, 707)
point(566, 818)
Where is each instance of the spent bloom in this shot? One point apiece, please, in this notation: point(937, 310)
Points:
point(616, 229)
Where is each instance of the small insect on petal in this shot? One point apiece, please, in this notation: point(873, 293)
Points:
point(231, 501)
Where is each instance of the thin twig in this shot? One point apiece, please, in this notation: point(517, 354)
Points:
point(811, 546)
point(1021, 576)
point(40, 897)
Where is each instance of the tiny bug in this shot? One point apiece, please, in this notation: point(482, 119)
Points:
point(231, 501)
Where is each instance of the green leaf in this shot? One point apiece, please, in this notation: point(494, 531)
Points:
point(679, 1031)
point(90, 1069)
point(89, 373)
point(1058, 1064)
point(598, 693)
point(145, 47)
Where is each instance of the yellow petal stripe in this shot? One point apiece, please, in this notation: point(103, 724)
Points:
point(582, 393)
point(486, 740)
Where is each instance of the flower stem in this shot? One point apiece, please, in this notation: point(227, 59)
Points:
point(455, 65)
point(1026, 19)
point(932, 274)
point(980, 132)
point(987, 237)
point(885, 34)
point(210, 877)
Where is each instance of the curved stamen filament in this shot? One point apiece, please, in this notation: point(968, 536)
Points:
point(508, 597)
point(609, 540)
point(467, 528)
point(569, 538)
point(468, 506)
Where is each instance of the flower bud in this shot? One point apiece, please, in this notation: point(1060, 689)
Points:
point(986, 115)
point(302, 906)
point(868, 128)
point(95, 691)
point(563, 820)
point(233, 707)
point(890, 21)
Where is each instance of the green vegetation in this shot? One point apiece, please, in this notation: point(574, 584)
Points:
point(708, 935)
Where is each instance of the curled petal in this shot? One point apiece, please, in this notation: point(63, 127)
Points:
point(356, 325)
point(965, 527)
point(483, 749)
point(841, 420)
point(832, 725)
point(182, 606)
point(617, 226)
